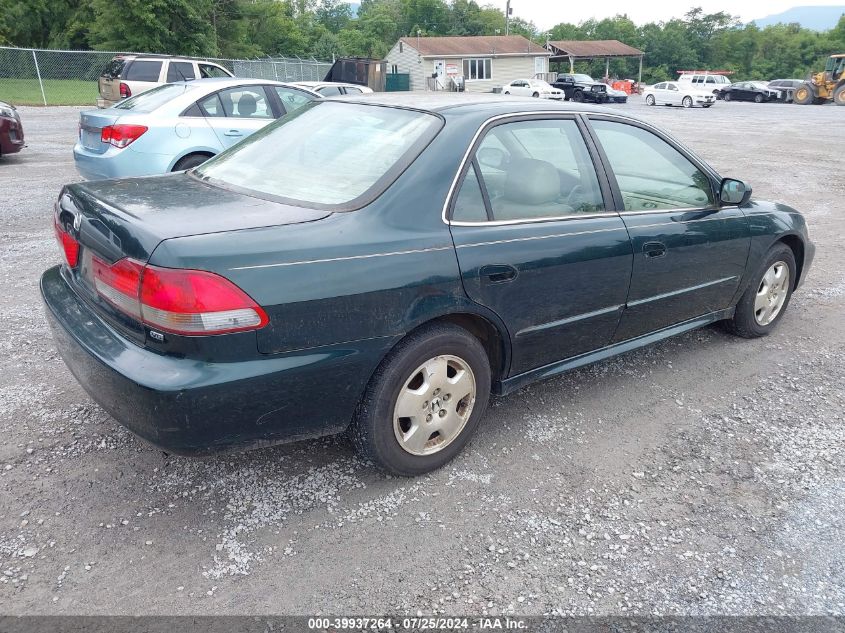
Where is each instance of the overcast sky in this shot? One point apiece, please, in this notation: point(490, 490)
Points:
point(546, 13)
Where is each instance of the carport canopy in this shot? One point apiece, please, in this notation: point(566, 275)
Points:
point(571, 50)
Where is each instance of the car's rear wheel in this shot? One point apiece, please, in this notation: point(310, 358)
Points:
point(649, 100)
point(765, 300)
point(190, 161)
point(424, 402)
point(758, 98)
point(687, 102)
point(727, 96)
point(536, 95)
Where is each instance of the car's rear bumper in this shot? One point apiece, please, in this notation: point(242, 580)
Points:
point(11, 135)
point(118, 163)
point(193, 407)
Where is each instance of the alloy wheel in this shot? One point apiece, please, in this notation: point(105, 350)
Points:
point(434, 405)
point(772, 293)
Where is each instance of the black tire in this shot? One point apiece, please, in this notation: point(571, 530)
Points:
point(536, 95)
point(578, 96)
point(758, 98)
point(839, 95)
point(190, 161)
point(373, 427)
point(727, 96)
point(803, 95)
point(744, 322)
point(506, 92)
point(686, 102)
point(650, 100)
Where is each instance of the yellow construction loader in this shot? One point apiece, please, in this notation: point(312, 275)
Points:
point(824, 86)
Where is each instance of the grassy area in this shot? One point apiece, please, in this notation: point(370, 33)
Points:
point(57, 91)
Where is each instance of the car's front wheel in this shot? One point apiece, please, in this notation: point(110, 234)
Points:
point(765, 300)
point(578, 97)
point(424, 402)
point(687, 102)
point(649, 100)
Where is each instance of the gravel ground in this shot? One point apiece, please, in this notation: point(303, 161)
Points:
point(703, 475)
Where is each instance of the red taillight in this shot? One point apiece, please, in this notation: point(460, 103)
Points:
point(189, 302)
point(124, 91)
point(70, 247)
point(121, 135)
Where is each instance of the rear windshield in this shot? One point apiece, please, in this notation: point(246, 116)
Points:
point(153, 99)
point(143, 70)
point(113, 68)
point(325, 155)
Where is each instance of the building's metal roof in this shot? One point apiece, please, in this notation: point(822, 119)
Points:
point(594, 48)
point(474, 45)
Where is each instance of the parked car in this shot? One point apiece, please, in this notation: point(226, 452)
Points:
point(532, 88)
point(333, 88)
point(676, 93)
point(129, 75)
point(180, 125)
point(386, 264)
point(616, 96)
point(11, 130)
point(786, 88)
point(709, 82)
point(580, 87)
point(757, 91)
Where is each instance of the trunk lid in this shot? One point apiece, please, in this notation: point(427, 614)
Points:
point(91, 124)
point(113, 219)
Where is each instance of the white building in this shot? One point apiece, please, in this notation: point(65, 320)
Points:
point(483, 61)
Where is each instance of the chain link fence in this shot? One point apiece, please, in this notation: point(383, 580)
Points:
point(54, 77)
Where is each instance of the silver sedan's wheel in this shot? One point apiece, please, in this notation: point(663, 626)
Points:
point(649, 100)
point(687, 102)
point(434, 405)
point(772, 293)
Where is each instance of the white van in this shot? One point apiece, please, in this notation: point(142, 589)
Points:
point(705, 80)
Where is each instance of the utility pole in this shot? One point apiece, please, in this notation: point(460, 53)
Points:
point(508, 12)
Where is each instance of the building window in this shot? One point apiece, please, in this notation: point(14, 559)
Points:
point(401, 48)
point(478, 69)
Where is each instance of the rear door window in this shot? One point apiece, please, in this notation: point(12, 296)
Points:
point(143, 70)
point(243, 102)
point(180, 71)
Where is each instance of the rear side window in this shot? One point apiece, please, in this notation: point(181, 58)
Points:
point(469, 205)
point(651, 174)
point(327, 155)
point(153, 99)
point(353, 91)
point(180, 71)
point(143, 70)
point(210, 70)
point(660, 87)
point(113, 69)
point(329, 91)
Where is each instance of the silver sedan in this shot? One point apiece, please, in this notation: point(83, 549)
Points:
point(179, 126)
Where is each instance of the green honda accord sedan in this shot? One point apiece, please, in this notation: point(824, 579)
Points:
point(382, 264)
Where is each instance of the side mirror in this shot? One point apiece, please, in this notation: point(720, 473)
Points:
point(492, 157)
point(734, 192)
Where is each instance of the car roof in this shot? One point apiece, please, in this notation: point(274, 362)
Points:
point(481, 102)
